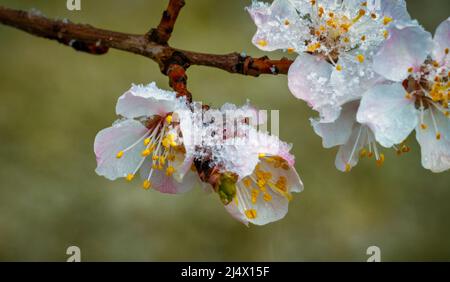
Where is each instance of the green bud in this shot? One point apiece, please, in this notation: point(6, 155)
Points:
point(227, 187)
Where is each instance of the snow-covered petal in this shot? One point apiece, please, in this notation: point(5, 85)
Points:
point(309, 80)
point(278, 25)
point(407, 47)
point(388, 113)
point(337, 132)
point(146, 101)
point(110, 141)
point(442, 42)
point(435, 153)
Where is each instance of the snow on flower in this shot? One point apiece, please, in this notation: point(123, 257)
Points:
point(146, 140)
point(252, 172)
point(335, 40)
point(416, 95)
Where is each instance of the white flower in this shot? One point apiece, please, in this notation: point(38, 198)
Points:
point(355, 140)
point(146, 139)
point(335, 39)
point(417, 96)
point(252, 172)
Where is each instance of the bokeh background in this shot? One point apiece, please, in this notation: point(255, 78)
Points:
point(54, 100)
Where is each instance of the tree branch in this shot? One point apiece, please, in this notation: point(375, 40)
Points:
point(162, 33)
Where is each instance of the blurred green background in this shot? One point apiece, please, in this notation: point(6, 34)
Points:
point(54, 100)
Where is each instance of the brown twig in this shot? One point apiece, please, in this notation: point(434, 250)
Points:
point(162, 33)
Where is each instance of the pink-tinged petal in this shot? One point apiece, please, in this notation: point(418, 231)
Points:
point(309, 80)
point(389, 114)
point(442, 41)
point(337, 132)
point(110, 141)
point(278, 25)
point(435, 153)
point(395, 9)
point(348, 154)
point(180, 182)
point(146, 101)
point(407, 47)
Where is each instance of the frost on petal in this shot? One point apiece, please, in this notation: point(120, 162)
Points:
point(110, 141)
point(278, 25)
point(348, 154)
point(337, 132)
point(390, 115)
point(435, 153)
point(442, 41)
point(354, 78)
point(407, 47)
point(309, 80)
point(146, 101)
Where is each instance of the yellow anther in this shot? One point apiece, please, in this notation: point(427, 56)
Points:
point(313, 47)
point(147, 141)
point(155, 157)
point(370, 154)
point(154, 166)
point(119, 154)
point(162, 160)
point(423, 126)
point(170, 170)
point(348, 167)
point(247, 182)
point(286, 22)
point(387, 20)
point(290, 50)
point(250, 214)
point(364, 4)
point(262, 43)
point(380, 161)
point(408, 96)
point(363, 153)
point(438, 136)
point(146, 152)
point(410, 70)
point(313, 2)
point(261, 182)
point(447, 114)
point(321, 11)
point(331, 15)
point(363, 38)
point(338, 67)
point(346, 39)
point(262, 155)
point(129, 177)
point(386, 34)
point(360, 58)
point(267, 197)
point(146, 185)
point(169, 119)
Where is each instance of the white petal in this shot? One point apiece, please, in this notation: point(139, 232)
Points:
point(337, 132)
point(407, 47)
point(146, 101)
point(278, 25)
point(435, 153)
point(395, 9)
point(348, 154)
point(388, 113)
point(309, 80)
point(442, 40)
point(111, 141)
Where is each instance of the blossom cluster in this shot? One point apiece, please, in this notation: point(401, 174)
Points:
point(372, 73)
point(175, 145)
